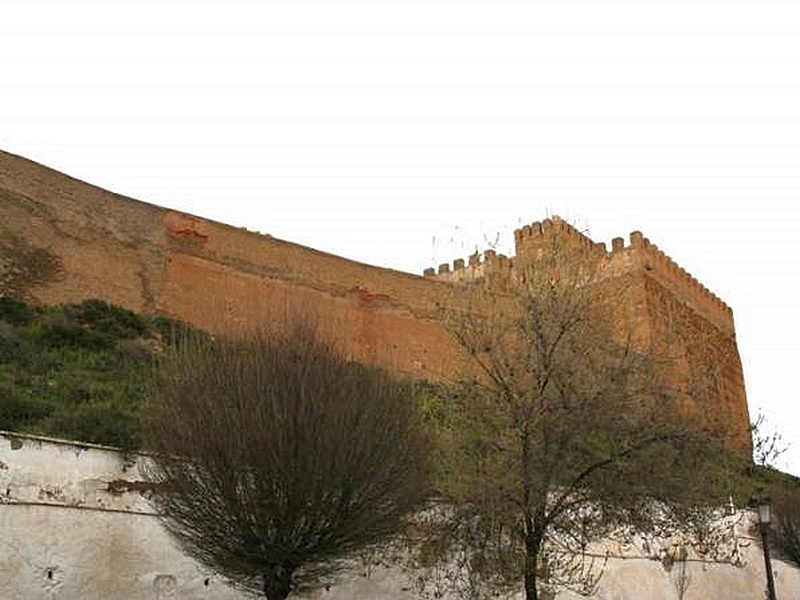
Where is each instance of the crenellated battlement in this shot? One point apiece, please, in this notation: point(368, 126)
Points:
point(639, 255)
point(531, 239)
point(656, 263)
point(475, 267)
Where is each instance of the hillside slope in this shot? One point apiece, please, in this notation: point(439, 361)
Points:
point(77, 371)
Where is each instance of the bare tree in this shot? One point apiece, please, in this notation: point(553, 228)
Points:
point(768, 446)
point(276, 458)
point(565, 429)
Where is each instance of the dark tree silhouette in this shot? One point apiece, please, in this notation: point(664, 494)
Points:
point(276, 458)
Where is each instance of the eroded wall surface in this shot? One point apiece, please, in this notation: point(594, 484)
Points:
point(62, 240)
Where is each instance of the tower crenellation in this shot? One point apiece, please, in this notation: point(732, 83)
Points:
point(476, 266)
point(657, 264)
point(531, 239)
point(639, 255)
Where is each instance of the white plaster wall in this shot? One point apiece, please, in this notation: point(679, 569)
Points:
point(75, 523)
point(71, 529)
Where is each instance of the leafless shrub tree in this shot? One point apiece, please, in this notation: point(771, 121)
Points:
point(768, 446)
point(277, 458)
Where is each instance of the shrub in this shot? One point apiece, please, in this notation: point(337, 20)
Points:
point(113, 321)
point(15, 312)
point(100, 423)
point(18, 412)
point(57, 331)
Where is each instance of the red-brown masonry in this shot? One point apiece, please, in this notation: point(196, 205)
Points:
point(96, 244)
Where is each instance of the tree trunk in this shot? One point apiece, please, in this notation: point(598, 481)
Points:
point(532, 545)
point(532, 537)
point(531, 560)
point(278, 583)
point(530, 578)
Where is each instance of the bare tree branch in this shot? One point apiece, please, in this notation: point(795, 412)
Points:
point(566, 428)
point(277, 458)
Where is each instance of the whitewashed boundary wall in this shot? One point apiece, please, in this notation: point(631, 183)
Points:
point(75, 523)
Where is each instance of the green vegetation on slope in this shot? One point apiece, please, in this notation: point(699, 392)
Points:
point(77, 371)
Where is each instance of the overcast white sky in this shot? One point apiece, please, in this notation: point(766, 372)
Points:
point(405, 134)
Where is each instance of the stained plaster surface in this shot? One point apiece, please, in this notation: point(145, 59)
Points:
point(76, 523)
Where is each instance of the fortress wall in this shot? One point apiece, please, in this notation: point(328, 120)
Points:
point(703, 360)
point(681, 284)
point(693, 331)
point(227, 299)
point(640, 255)
point(100, 240)
point(291, 263)
point(665, 308)
point(218, 277)
point(226, 279)
point(82, 254)
point(62, 240)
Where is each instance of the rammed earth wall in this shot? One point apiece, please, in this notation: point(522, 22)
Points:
point(63, 240)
